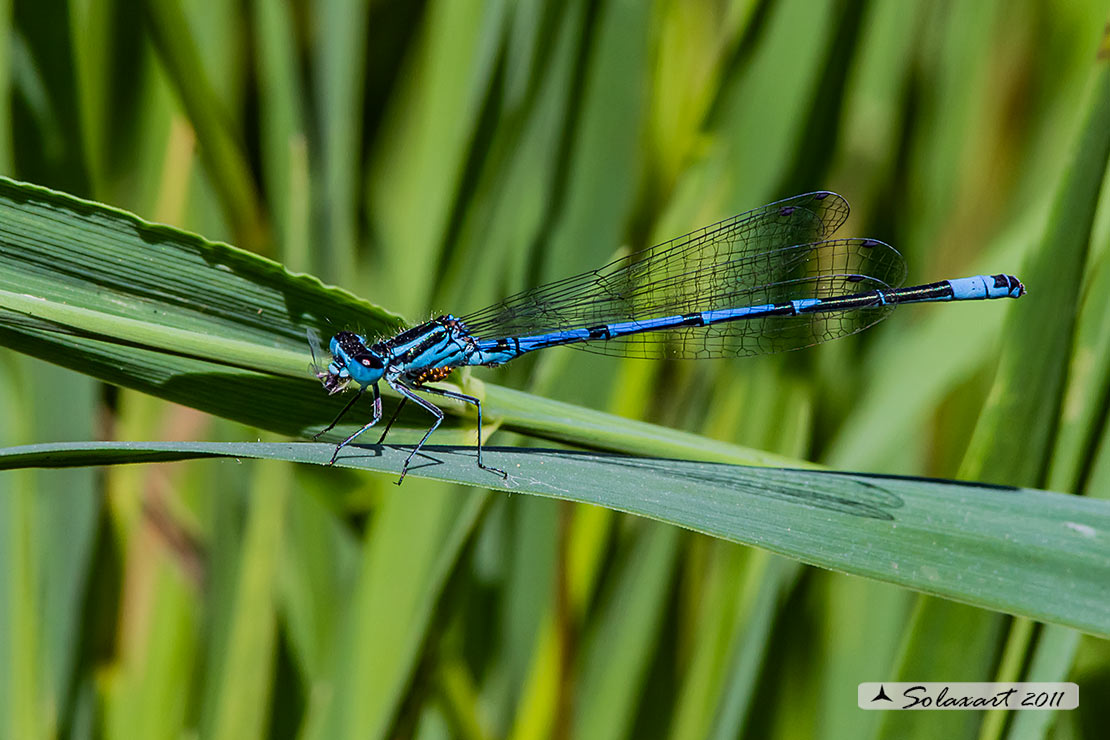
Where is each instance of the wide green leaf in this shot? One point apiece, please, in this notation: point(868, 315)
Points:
point(1017, 550)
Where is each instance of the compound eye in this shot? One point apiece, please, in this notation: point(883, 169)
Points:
point(371, 361)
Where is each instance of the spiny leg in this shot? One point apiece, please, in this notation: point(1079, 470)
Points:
point(375, 420)
point(478, 405)
point(396, 413)
point(340, 415)
point(431, 408)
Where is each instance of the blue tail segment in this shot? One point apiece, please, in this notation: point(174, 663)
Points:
point(770, 280)
point(986, 286)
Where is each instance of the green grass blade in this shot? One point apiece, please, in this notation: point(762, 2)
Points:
point(143, 695)
point(1083, 409)
point(340, 81)
point(768, 581)
point(931, 652)
point(1039, 331)
point(22, 702)
point(223, 153)
point(420, 159)
point(1022, 551)
point(283, 138)
point(241, 675)
point(617, 652)
point(410, 550)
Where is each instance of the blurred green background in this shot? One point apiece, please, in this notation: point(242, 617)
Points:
point(435, 156)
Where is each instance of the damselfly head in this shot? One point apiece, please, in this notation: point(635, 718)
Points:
point(335, 378)
point(351, 360)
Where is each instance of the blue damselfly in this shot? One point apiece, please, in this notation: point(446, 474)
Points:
point(769, 280)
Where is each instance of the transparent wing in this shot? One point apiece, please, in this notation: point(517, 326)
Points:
point(657, 281)
point(821, 270)
point(774, 254)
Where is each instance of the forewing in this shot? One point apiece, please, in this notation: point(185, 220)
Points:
point(714, 267)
